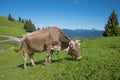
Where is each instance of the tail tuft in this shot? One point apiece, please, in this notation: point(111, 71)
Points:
point(17, 49)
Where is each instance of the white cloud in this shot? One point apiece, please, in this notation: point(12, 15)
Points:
point(76, 1)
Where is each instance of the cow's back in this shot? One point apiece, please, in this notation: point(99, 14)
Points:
point(58, 37)
point(38, 39)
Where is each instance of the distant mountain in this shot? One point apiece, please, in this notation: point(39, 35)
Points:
point(83, 33)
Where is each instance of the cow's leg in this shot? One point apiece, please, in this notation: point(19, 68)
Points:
point(31, 58)
point(25, 59)
point(47, 58)
point(51, 53)
point(48, 54)
point(24, 49)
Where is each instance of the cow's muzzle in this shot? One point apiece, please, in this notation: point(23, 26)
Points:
point(79, 58)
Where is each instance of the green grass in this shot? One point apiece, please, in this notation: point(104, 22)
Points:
point(3, 38)
point(11, 28)
point(101, 61)
point(7, 45)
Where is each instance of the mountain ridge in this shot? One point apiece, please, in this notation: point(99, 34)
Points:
point(83, 33)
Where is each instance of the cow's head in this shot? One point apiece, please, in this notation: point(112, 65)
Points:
point(74, 46)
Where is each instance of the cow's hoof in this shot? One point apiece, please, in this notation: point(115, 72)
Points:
point(33, 65)
point(25, 68)
point(46, 64)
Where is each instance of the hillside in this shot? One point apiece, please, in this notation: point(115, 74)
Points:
point(11, 28)
point(83, 33)
point(101, 61)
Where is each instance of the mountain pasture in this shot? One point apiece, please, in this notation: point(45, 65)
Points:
point(11, 28)
point(101, 61)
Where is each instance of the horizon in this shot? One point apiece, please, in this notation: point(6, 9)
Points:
point(65, 14)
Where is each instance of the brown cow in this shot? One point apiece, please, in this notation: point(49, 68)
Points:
point(49, 40)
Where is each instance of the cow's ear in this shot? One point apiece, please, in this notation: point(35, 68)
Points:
point(78, 41)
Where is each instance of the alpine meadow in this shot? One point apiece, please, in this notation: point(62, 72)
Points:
point(101, 59)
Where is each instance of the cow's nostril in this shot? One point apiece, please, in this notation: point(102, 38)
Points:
point(78, 59)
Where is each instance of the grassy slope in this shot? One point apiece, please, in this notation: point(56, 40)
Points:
point(12, 28)
point(101, 61)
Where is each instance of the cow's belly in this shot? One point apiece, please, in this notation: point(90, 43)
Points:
point(37, 46)
point(37, 49)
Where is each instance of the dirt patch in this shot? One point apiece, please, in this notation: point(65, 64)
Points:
point(60, 75)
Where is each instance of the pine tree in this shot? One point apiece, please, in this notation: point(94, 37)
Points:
point(23, 21)
point(112, 27)
point(20, 20)
point(29, 26)
point(10, 17)
point(38, 28)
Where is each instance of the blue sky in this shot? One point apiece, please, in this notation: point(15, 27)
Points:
point(71, 14)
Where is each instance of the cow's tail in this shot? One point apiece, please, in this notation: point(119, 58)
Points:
point(17, 49)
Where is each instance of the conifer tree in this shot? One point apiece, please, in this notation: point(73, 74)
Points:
point(23, 20)
point(112, 27)
point(20, 20)
point(29, 26)
point(10, 17)
point(38, 28)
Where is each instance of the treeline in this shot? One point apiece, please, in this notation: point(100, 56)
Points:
point(112, 27)
point(28, 24)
